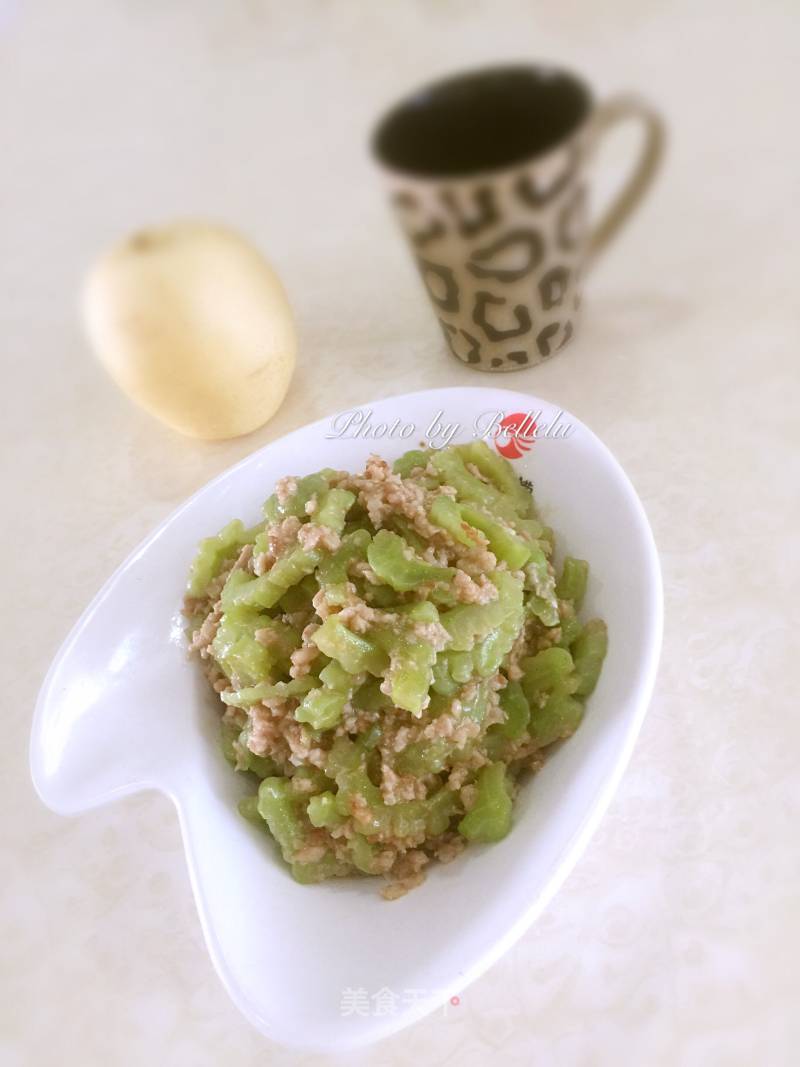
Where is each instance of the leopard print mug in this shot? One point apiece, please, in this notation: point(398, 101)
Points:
point(487, 171)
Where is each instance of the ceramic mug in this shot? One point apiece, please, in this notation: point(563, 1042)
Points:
point(488, 172)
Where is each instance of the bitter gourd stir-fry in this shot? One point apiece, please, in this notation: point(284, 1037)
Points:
point(393, 651)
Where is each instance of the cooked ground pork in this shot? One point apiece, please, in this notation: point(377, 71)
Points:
point(282, 535)
point(284, 488)
point(475, 559)
point(202, 638)
point(320, 604)
point(452, 726)
point(383, 494)
point(311, 536)
point(303, 657)
point(397, 787)
point(359, 617)
point(406, 874)
point(470, 591)
point(262, 563)
point(362, 569)
point(431, 633)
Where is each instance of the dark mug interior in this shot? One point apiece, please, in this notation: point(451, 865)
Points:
point(480, 121)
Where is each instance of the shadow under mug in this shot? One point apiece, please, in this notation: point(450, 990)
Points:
point(487, 171)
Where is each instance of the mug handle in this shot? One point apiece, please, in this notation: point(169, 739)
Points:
point(607, 115)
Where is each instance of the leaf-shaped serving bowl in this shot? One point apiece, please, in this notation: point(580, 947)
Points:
point(123, 709)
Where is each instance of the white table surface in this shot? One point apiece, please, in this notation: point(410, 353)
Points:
point(675, 940)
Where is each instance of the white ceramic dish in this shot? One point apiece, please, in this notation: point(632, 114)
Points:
point(122, 709)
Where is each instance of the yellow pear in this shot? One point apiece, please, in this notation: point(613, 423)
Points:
point(193, 324)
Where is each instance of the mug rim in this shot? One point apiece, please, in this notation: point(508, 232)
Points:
point(448, 81)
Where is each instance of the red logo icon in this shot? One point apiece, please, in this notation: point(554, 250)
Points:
point(515, 435)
